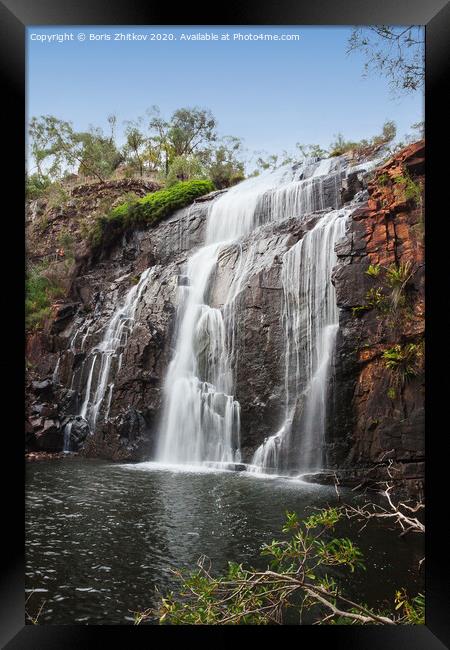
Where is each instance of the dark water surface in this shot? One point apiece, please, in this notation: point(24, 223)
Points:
point(101, 537)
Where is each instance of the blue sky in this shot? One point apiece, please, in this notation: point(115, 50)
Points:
point(270, 93)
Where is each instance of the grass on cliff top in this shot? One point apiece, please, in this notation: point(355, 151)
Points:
point(145, 211)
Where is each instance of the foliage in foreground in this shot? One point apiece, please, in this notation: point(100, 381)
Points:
point(148, 210)
point(295, 578)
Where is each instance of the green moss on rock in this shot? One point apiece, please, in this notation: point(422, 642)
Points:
point(148, 210)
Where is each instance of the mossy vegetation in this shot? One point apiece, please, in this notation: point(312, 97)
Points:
point(148, 210)
point(403, 185)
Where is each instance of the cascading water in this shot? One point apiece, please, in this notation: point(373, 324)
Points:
point(66, 439)
point(201, 417)
point(310, 318)
point(107, 356)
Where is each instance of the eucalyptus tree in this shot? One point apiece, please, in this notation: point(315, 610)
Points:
point(189, 131)
point(58, 149)
point(395, 52)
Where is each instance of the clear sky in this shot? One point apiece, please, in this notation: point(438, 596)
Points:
point(270, 93)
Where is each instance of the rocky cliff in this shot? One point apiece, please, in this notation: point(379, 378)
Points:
point(377, 382)
point(378, 420)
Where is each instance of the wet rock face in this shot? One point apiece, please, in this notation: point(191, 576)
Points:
point(64, 353)
point(47, 434)
point(378, 411)
point(79, 431)
point(43, 431)
point(127, 437)
point(258, 329)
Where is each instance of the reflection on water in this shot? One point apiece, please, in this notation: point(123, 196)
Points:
point(101, 538)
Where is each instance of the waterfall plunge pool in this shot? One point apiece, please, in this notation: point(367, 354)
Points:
point(101, 537)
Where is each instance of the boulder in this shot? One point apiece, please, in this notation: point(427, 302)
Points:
point(79, 430)
point(43, 389)
point(49, 437)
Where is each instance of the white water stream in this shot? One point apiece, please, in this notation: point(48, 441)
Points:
point(110, 351)
point(310, 317)
point(201, 417)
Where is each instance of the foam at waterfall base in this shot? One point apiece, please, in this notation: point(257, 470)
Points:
point(174, 468)
point(246, 471)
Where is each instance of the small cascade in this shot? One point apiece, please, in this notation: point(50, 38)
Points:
point(56, 370)
point(106, 357)
point(310, 317)
point(66, 439)
point(275, 196)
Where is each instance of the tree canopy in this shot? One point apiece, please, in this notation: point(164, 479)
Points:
point(395, 52)
point(57, 149)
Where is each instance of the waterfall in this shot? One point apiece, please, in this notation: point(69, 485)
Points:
point(201, 417)
point(106, 357)
point(66, 439)
point(310, 318)
point(56, 370)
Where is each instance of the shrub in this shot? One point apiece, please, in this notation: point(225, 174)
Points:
point(364, 147)
point(398, 277)
point(300, 574)
point(392, 393)
point(40, 291)
point(36, 186)
point(375, 298)
point(383, 179)
point(57, 195)
point(66, 240)
point(146, 211)
point(410, 189)
point(403, 360)
point(373, 271)
point(42, 224)
point(185, 168)
point(360, 310)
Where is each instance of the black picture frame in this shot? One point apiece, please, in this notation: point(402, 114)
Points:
point(15, 16)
